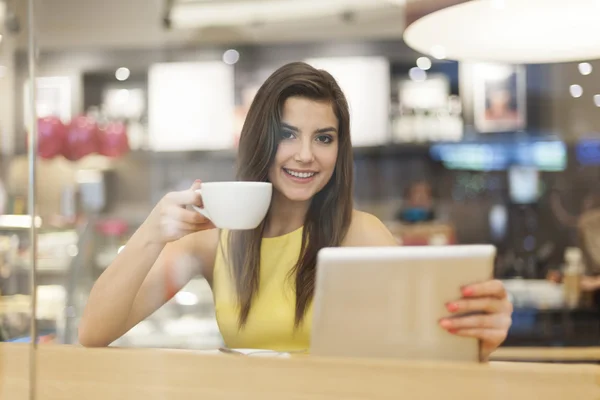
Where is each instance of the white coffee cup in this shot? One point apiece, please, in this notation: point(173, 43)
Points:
point(235, 205)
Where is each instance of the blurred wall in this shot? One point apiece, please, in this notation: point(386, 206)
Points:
point(140, 179)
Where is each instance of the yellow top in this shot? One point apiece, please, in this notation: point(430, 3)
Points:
point(270, 323)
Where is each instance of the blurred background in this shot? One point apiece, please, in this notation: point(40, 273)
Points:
point(136, 98)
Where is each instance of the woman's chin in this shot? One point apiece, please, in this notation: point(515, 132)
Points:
point(299, 196)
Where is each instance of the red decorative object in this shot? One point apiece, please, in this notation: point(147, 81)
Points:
point(52, 134)
point(112, 227)
point(113, 140)
point(82, 138)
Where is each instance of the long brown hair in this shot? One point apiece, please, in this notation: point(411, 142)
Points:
point(329, 214)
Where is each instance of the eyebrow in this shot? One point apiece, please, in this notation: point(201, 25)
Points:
point(322, 130)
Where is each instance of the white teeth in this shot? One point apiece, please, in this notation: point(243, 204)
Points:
point(300, 174)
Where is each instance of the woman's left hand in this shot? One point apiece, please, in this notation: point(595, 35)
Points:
point(492, 318)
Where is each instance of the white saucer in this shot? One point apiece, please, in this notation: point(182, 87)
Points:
point(257, 353)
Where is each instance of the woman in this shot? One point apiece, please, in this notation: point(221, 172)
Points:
point(296, 136)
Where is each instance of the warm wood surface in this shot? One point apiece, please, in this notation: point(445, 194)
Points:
point(582, 354)
point(66, 373)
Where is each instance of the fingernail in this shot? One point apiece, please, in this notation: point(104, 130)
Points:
point(445, 324)
point(197, 181)
point(467, 291)
point(452, 307)
point(453, 330)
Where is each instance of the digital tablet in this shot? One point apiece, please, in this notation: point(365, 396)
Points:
point(387, 301)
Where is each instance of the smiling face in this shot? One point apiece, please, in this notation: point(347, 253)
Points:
point(307, 154)
point(303, 147)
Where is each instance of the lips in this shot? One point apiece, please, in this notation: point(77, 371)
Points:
point(300, 174)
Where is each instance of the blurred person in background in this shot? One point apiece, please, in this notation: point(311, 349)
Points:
point(590, 283)
point(418, 204)
point(582, 221)
point(296, 136)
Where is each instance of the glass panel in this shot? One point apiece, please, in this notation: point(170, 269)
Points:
point(136, 102)
point(17, 245)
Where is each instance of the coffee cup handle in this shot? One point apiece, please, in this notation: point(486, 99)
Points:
point(200, 209)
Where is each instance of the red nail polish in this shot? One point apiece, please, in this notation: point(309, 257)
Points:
point(453, 330)
point(452, 307)
point(467, 291)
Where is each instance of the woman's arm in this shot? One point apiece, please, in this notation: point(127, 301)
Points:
point(142, 279)
point(170, 247)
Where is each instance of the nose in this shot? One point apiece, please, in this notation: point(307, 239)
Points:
point(304, 153)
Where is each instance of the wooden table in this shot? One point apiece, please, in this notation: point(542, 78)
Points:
point(548, 354)
point(73, 373)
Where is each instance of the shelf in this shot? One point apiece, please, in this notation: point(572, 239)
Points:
point(420, 149)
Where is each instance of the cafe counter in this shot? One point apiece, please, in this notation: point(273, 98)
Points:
point(70, 372)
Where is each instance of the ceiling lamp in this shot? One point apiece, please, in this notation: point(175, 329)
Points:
point(508, 31)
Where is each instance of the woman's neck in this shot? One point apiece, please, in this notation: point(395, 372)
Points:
point(284, 216)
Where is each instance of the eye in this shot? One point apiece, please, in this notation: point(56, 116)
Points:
point(325, 139)
point(287, 134)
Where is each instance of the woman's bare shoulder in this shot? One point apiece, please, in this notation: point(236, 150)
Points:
point(368, 230)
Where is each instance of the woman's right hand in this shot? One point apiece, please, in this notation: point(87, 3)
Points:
point(172, 220)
